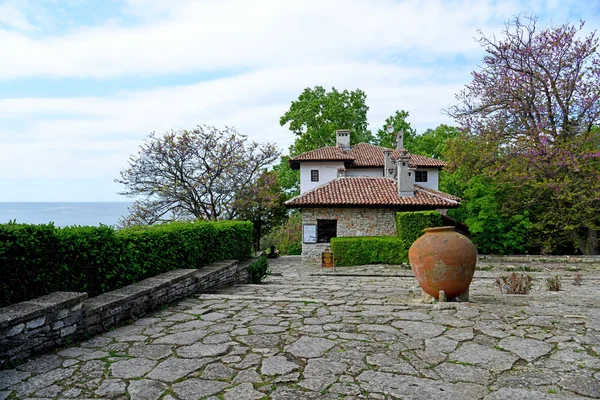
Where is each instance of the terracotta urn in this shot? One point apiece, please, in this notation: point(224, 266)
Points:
point(443, 259)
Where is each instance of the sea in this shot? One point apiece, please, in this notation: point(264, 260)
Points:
point(64, 214)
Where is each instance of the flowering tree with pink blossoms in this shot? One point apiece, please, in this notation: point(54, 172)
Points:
point(530, 120)
point(195, 174)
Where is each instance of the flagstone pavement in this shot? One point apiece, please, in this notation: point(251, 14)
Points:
point(356, 333)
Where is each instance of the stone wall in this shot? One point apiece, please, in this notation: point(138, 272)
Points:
point(34, 326)
point(350, 222)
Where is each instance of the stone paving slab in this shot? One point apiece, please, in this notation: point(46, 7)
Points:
point(352, 333)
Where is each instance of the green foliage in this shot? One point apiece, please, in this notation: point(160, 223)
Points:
point(27, 263)
point(39, 259)
point(410, 225)
point(362, 250)
point(494, 230)
point(259, 270)
point(530, 122)
point(262, 204)
point(287, 238)
point(313, 118)
point(289, 179)
point(316, 115)
point(432, 142)
point(398, 121)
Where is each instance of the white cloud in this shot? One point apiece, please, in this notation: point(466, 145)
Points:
point(211, 35)
point(12, 16)
point(401, 53)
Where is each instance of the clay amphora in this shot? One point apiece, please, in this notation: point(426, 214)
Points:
point(443, 259)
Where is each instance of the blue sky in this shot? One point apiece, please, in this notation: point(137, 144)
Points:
point(82, 83)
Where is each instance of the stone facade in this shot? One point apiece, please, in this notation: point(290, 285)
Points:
point(350, 222)
point(34, 326)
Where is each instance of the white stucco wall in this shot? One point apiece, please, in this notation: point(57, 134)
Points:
point(364, 172)
point(432, 178)
point(327, 172)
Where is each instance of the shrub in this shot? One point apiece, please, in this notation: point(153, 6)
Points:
point(259, 270)
point(39, 259)
point(361, 250)
point(410, 225)
point(515, 283)
point(28, 264)
point(554, 283)
point(287, 238)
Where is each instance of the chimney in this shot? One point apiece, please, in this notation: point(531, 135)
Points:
point(389, 170)
point(341, 172)
point(406, 175)
point(342, 138)
point(399, 140)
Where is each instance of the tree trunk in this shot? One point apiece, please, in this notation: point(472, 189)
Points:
point(589, 246)
point(257, 232)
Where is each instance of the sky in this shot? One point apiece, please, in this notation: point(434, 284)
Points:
point(83, 82)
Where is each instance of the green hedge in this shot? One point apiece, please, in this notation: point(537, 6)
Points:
point(410, 225)
point(361, 250)
point(39, 259)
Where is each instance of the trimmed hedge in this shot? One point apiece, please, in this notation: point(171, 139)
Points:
point(361, 250)
point(410, 225)
point(36, 260)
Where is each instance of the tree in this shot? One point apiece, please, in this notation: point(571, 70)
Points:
point(316, 115)
point(289, 179)
point(313, 118)
point(529, 119)
point(194, 174)
point(262, 204)
point(493, 229)
point(432, 142)
point(398, 121)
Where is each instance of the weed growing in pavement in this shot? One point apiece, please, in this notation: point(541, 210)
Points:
point(553, 283)
point(515, 283)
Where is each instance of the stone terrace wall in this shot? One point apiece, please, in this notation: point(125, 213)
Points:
point(34, 326)
point(350, 222)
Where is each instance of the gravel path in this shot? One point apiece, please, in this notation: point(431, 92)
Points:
point(356, 333)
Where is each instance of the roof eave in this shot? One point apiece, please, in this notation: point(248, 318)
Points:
point(398, 207)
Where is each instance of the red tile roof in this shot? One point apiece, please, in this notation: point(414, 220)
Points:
point(372, 192)
point(328, 153)
point(362, 155)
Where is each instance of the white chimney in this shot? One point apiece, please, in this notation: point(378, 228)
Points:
point(389, 169)
point(342, 138)
point(406, 175)
point(399, 140)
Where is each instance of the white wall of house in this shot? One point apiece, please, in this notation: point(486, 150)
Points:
point(327, 172)
point(432, 178)
point(364, 172)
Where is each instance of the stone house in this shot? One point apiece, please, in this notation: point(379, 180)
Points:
point(356, 190)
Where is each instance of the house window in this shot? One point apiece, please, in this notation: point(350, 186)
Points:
point(314, 175)
point(420, 176)
point(326, 229)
